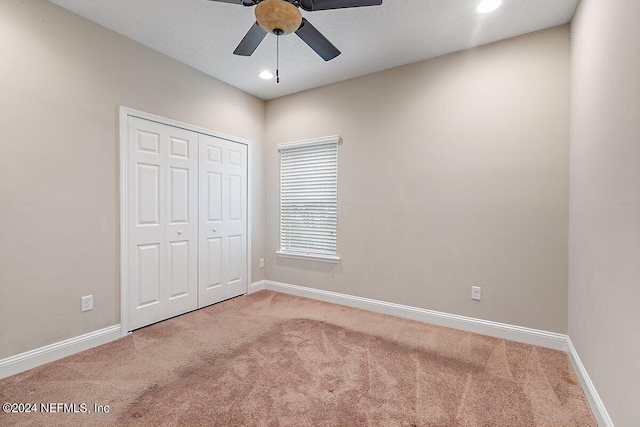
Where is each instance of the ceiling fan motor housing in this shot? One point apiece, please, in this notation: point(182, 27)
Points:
point(278, 16)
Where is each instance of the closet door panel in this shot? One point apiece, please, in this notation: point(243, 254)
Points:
point(223, 222)
point(162, 222)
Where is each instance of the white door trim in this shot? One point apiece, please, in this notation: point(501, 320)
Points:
point(125, 112)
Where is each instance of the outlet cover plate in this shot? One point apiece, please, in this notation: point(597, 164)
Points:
point(87, 303)
point(476, 293)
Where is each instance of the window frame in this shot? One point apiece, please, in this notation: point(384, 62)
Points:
point(287, 253)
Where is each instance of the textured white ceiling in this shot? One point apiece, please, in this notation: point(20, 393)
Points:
point(203, 34)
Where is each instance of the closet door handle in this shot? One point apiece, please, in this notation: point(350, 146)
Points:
point(179, 231)
point(214, 230)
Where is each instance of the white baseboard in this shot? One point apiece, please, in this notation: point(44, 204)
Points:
point(256, 286)
point(486, 327)
point(31, 359)
point(597, 406)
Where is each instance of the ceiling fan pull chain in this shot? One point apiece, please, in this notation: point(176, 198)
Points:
point(278, 58)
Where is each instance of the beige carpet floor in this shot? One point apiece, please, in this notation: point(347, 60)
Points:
point(270, 359)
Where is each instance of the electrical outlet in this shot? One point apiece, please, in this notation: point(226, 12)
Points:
point(87, 303)
point(476, 292)
point(261, 262)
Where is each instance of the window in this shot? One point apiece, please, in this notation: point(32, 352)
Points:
point(309, 199)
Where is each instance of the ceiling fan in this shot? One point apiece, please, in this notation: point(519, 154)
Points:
point(282, 17)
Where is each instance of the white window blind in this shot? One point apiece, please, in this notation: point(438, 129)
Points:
point(309, 199)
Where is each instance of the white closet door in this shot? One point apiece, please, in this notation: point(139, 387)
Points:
point(223, 220)
point(162, 186)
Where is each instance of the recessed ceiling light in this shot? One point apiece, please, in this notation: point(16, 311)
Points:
point(266, 75)
point(487, 6)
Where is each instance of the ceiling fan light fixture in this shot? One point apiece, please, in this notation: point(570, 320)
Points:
point(278, 16)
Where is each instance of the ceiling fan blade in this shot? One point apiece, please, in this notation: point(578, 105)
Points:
point(251, 41)
point(229, 1)
point(317, 41)
point(240, 2)
point(313, 5)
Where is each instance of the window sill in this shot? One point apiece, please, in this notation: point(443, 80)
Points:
point(334, 259)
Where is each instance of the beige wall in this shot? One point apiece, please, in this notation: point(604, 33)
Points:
point(62, 79)
point(453, 172)
point(604, 239)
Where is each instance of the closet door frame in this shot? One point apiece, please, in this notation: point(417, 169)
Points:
point(125, 113)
